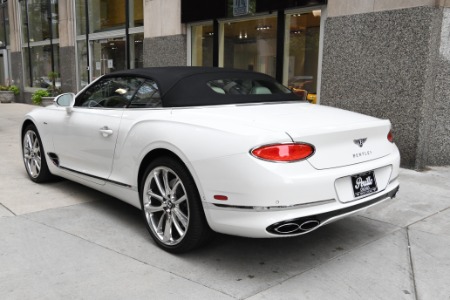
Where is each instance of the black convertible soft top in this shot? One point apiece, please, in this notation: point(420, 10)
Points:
point(190, 86)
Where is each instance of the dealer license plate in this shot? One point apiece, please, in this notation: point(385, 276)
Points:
point(364, 184)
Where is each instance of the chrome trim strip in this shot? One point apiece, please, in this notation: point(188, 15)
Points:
point(269, 208)
point(96, 177)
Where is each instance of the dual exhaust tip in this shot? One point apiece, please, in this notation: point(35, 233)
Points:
point(309, 223)
point(293, 226)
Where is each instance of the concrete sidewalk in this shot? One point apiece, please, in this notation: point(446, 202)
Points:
point(65, 241)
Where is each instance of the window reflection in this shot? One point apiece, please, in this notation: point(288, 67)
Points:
point(202, 45)
point(147, 96)
point(108, 55)
point(39, 12)
point(251, 45)
point(107, 15)
point(4, 25)
point(41, 68)
point(301, 65)
point(137, 50)
point(82, 54)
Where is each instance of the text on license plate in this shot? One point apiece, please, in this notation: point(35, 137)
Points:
point(364, 184)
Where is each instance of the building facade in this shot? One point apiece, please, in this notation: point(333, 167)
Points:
point(389, 59)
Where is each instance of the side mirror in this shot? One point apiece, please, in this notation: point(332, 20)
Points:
point(66, 100)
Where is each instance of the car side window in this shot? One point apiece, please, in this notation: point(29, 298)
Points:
point(147, 96)
point(110, 93)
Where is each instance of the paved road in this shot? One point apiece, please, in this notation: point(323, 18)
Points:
point(65, 241)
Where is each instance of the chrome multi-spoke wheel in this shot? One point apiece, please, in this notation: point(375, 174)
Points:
point(171, 206)
point(166, 205)
point(34, 155)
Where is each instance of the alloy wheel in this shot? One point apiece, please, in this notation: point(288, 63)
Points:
point(32, 155)
point(166, 205)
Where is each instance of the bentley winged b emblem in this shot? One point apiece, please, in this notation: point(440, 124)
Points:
point(360, 142)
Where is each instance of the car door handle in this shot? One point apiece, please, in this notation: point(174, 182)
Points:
point(105, 131)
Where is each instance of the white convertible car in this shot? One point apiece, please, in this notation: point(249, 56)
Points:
point(208, 149)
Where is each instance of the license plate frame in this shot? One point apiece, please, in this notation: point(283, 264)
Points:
point(364, 184)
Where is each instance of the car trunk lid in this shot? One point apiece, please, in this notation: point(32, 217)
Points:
point(340, 137)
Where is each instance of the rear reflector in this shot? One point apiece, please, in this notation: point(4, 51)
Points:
point(284, 152)
point(390, 136)
point(220, 197)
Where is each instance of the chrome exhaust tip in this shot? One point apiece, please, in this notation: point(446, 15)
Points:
point(309, 225)
point(287, 228)
point(293, 226)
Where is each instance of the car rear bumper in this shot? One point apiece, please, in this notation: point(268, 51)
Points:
point(258, 223)
point(261, 197)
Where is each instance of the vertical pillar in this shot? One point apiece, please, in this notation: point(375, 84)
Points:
point(164, 34)
point(376, 61)
point(15, 44)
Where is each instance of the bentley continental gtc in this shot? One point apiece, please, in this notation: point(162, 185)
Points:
point(201, 150)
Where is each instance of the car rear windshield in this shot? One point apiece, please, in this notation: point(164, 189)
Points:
point(247, 87)
point(227, 88)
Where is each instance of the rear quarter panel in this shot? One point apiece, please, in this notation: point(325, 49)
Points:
point(189, 137)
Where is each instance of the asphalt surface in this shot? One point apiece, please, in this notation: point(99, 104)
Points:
point(64, 241)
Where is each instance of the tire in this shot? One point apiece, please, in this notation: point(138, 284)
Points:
point(171, 206)
point(34, 156)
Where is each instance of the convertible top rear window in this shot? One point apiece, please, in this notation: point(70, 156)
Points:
point(226, 87)
point(238, 86)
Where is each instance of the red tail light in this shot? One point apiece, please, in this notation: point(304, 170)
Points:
point(284, 152)
point(390, 136)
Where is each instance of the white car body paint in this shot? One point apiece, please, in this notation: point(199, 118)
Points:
point(214, 142)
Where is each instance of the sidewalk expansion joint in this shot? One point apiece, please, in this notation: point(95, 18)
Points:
point(1, 204)
point(429, 216)
point(334, 258)
point(411, 264)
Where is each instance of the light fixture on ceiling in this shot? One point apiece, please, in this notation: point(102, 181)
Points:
point(264, 27)
point(317, 13)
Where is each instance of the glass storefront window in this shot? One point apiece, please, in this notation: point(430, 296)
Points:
point(250, 45)
point(41, 65)
point(108, 15)
point(136, 50)
point(202, 45)
point(107, 55)
point(4, 25)
point(38, 15)
point(80, 11)
point(82, 56)
point(302, 53)
point(136, 9)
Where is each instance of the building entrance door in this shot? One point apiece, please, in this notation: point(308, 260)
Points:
point(108, 55)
